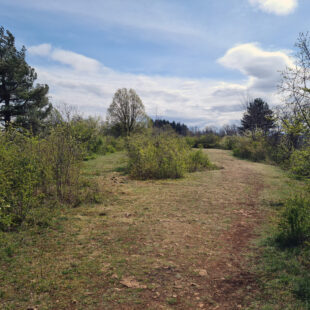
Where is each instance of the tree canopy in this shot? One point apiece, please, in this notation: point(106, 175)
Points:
point(295, 85)
point(21, 102)
point(179, 128)
point(126, 112)
point(257, 116)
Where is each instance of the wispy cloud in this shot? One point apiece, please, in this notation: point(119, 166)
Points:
point(163, 19)
point(199, 102)
point(278, 7)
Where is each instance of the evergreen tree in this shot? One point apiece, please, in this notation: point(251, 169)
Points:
point(21, 102)
point(257, 116)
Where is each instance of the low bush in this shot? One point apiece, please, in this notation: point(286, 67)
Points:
point(228, 142)
point(209, 140)
point(300, 163)
point(247, 148)
point(157, 156)
point(197, 160)
point(38, 174)
point(20, 178)
point(162, 155)
point(294, 226)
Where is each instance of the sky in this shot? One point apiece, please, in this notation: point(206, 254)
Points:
point(191, 61)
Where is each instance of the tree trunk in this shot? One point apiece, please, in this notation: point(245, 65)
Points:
point(7, 114)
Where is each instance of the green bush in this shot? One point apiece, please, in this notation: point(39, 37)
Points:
point(162, 155)
point(247, 148)
point(228, 142)
point(294, 226)
point(61, 155)
point(20, 177)
point(156, 156)
point(300, 163)
point(209, 140)
point(198, 161)
point(38, 173)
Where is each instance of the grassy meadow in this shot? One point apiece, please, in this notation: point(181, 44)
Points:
point(193, 243)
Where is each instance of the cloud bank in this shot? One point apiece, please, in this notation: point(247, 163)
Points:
point(278, 7)
point(88, 84)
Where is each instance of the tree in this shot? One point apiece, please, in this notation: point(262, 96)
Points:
point(257, 116)
point(295, 84)
point(126, 112)
point(20, 101)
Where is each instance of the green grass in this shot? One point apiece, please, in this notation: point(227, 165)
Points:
point(160, 233)
point(283, 272)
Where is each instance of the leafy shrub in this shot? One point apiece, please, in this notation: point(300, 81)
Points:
point(300, 163)
point(38, 173)
point(162, 155)
point(19, 178)
point(157, 156)
point(209, 140)
point(294, 226)
point(61, 155)
point(190, 141)
point(111, 144)
point(198, 161)
point(228, 142)
point(247, 148)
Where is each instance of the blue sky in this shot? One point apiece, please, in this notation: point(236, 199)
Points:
point(193, 61)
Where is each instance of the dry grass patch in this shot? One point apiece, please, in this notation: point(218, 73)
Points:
point(169, 244)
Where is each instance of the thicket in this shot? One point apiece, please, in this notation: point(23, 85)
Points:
point(294, 225)
point(162, 155)
point(39, 174)
point(92, 133)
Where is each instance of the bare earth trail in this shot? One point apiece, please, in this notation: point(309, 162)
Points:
point(171, 244)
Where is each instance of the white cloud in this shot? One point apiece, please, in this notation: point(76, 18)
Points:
point(198, 102)
point(260, 66)
point(76, 61)
point(279, 7)
point(40, 50)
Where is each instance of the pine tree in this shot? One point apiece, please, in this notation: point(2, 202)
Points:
point(21, 102)
point(258, 116)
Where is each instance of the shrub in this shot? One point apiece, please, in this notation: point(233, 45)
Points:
point(209, 140)
point(198, 161)
point(38, 173)
point(20, 176)
point(247, 148)
point(294, 226)
point(228, 142)
point(162, 155)
point(61, 156)
point(157, 156)
point(300, 163)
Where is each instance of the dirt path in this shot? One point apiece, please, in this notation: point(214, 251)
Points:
point(187, 240)
point(172, 244)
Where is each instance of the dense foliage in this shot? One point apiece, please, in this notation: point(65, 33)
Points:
point(179, 128)
point(162, 155)
point(258, 117)
point(37, 174)
point(20, 101)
